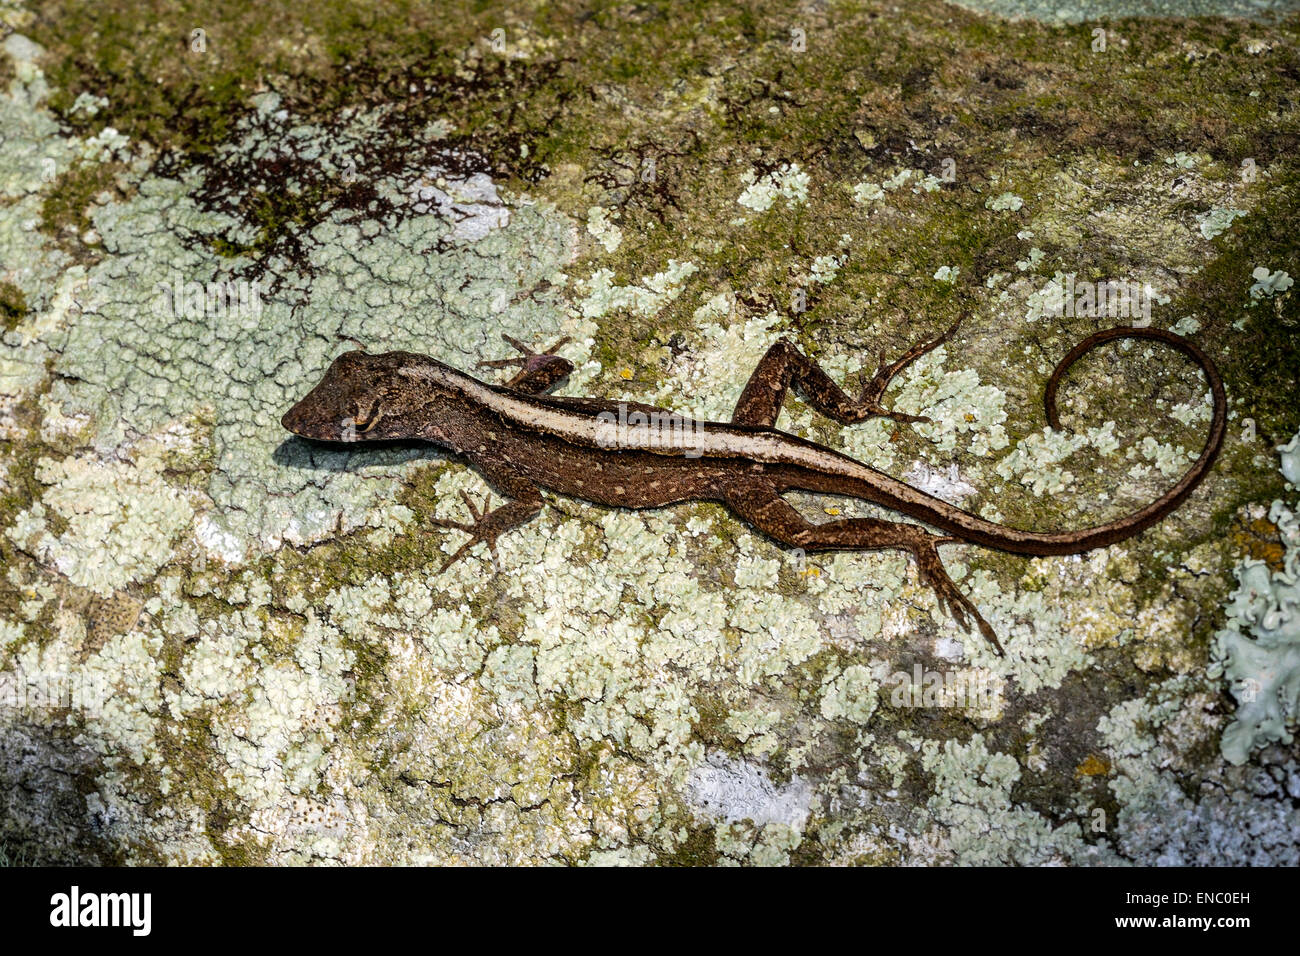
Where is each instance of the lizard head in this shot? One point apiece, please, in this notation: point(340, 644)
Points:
point(362, 397)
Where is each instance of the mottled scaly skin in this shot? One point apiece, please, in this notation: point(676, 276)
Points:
point(637, 456)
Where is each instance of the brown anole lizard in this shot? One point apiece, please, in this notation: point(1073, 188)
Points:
point(636, 456)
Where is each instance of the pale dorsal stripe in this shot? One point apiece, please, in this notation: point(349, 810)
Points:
point(714, 440)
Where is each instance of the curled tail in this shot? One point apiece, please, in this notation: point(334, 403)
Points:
point(1144, 518)
point(1073, 542)
point(963, 526)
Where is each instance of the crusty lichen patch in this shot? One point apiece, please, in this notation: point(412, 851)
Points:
point(236, 643)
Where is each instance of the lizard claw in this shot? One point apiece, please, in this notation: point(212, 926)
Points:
point(481, 529)
point(950, 597)
point(886, 371)
point(538, 371)
point(526, 354)
point(963, 611)
point(880, 411)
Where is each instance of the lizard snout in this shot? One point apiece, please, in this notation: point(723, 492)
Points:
point(295, 420)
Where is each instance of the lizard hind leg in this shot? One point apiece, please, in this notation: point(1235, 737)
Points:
point(762, 507)
point(961, 607)
point(785, 366)
point(885, 373)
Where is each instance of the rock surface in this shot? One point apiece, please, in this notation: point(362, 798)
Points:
point(223, 644)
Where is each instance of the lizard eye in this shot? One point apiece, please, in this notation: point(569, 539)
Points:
point(364, 422)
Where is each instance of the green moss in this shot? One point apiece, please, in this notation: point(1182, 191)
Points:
point(13, 306)
point(6, 71)
point(19, 491)
point(197, 771)
point(710, 726)
point(776, 106)
point(277, 214)
point(700, 848)
point(161, 88)
point(66, 206)
point(1260, 362)
point(363, 711)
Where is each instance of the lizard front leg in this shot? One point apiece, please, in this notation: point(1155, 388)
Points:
point(538, 371)
point(784, 365)
point(487, 525)
point(760, 505)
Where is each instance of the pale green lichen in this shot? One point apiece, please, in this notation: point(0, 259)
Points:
point(602, 229)
point(1258, 652)
point(867, 192)
point(870, 192)
point(1290, 455)
point(602, 296)
point(984, 826)
point(336, 700)
point(707, 381)
point(826, 268)
point(958, 404)
point(234, 364)
point(1237, 818)
point(120, 521)
point(1217, 221)
point(851, 694)
point(789, 183)
point(1268, 284)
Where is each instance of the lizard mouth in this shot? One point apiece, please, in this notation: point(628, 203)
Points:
point(294, 420)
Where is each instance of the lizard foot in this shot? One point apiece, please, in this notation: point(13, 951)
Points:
point(525, 353)
point(875, 390)
point(962, 609)
point(538, 371)
point(482, 529)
